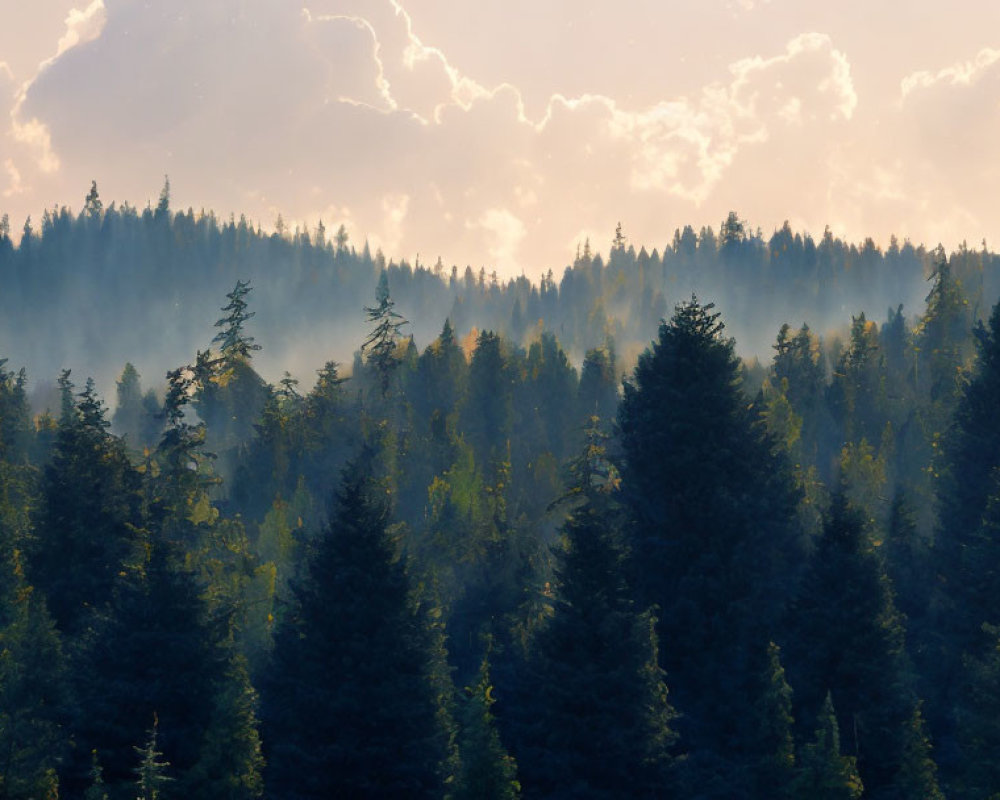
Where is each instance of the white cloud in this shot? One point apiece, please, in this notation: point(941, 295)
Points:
point(82, 25)
point(505, 232)
point(364, 112)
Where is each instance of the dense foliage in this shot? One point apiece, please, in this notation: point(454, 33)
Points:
point(477, 563)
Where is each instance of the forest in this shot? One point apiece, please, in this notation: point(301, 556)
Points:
point(716, 520)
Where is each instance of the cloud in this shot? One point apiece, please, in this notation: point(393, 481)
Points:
point(82, 25)
point(505, 232)
point(363, 112)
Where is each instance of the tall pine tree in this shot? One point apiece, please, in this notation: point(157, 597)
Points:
point(349, 706)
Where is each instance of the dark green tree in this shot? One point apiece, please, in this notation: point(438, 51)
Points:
point(151, 774)
point(712, 504)
point(825, 774)
point(380, 346)
point(33, 740)
point(487, 772)
point(847, 639)
point(917, 776)
point(90, 508)
point(592, 718)
point(349, 706)
point(155, 651)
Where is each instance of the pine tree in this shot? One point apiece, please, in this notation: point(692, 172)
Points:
point(917, 776)
point(349, 707)
point(592, 718)
point(977, 713)
point(965, 545)
point(97, 790)
point(774, 770)
point(380, 346)
point(712, 506)
point(847, 638)
point(231, 761)
point(89, 511)
point(234, 343)
point(33, 741)
point(155, 651)
point(487, 772)
point(151, 774)
point(825, 773)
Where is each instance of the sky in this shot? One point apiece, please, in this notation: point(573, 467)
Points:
point(505, 133)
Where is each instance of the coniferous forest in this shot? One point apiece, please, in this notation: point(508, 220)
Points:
point(719, 519)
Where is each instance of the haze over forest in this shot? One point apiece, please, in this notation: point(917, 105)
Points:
point(669, 468)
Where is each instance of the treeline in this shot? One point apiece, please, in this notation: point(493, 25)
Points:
point(473, 570)
point(115, 284)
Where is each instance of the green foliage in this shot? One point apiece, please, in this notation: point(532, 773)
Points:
point(33, 741)
point(487, 771)
point(380, 346)
point(847, 638)
point(592, 716)
point(825, 774)
point(97, 789)
point(151, 774)
point(712, 505)
point(90, 508)
point(349, 706)
point(917, 776)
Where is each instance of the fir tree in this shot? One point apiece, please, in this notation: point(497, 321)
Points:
point(917, 775)
point(380, 346)
point(234, 343)
point(826, 774)
point(592, 718)
point(487, 772)
point(151, 774)
point(847, 638)
point(712, 505)
point(90, 508)
point(97, 789)
point(349, 706)
point(33, 741)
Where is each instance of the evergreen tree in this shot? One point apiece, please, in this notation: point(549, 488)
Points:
point(712, 521)
point(966, 545)
point(154, 652)
point(774, 771)
point(151, 774)
point(847, 639)
point(33, 742)
point(487, 772)
point(977, 712)
point(917, 776)
point(380, 346)
point(592, 717)
point(90, 508)
point(234, 343)
point(349, 706)
point(825, 773)
point(97, 789)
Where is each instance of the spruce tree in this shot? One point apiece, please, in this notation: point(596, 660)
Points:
point(917, 775)
point(487, 772)
point(380, 346)
point(33, 696)
point(592, 716)
point(151, 774)
point(847, 638)
point(90, 508)
point(349, 707)
point(154, 651)
point(826, 774)
point(712, 506)
point(966, 545)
